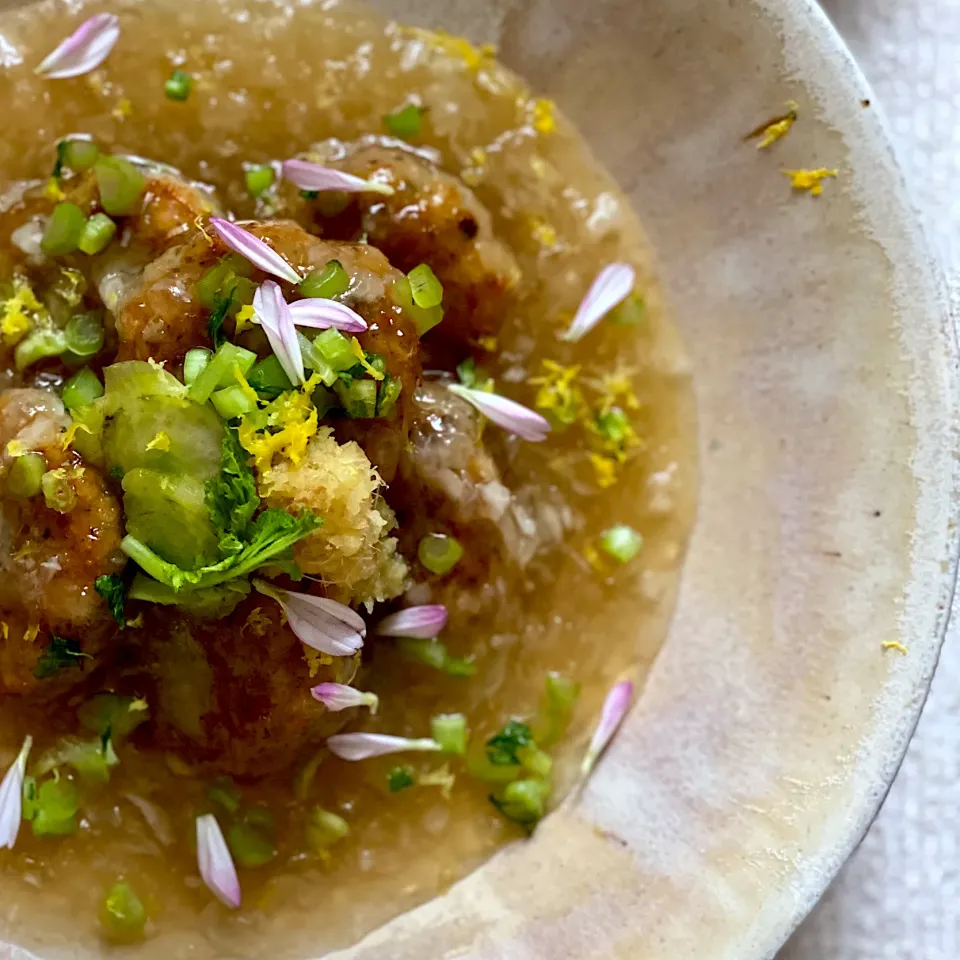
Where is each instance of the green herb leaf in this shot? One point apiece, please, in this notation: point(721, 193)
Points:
point(221, 307)
point(502, 747)
point(231, 497)
point(112, 589)
point(59, 654)
point(112, 716)
point(399, 778)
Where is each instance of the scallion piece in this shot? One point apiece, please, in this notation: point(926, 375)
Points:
point(121, 185)
point(426, 289)
point(250, 846)
point(178, 86)
point(388, 395)
point(220, 371)
point(424, 318)
point(258, 177)
point(212, 282)
point(25, 474)
point(614, 425)
point(38, 345)
point(268, 378)
point(81, 389)
point(450, 731)
point(56, 809)
point(64, 229)
point(58, 492)
point(194, 363)
point(523, 801)
point(439, 553)
point(535, 760)
point(122, 914)
point(433, 653)
point(324, 829)
point(561, 697)
point(621, 542)
point(359, 398)
point(313, 360)
point(84, 334)
point(327, 283)
point(224, 792)
point(631, 312)
point(80, 154)
point(232, 402)
point(97, 233)
point(336, 349)
point(405, 122)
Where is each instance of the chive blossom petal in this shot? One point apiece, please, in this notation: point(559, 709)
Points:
point(508, 414)
point(615, 708)
point(362, 746)
point(424, 622)
point(277, 322)
point(338, 696)
point(325, 625)
point(254, 249)
point(84, 50)
point(611, 287)
point(11, 797)
point(321, 314)
point(215, 863)
point(313, 176)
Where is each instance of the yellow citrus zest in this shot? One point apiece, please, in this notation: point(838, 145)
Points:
point(558, 394)
point(810, 180)
point(776, 128)
point(160, 442)
point(895, 645)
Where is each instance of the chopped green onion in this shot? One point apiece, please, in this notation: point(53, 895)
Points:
point(224, 792)
point(439, 553)
point(260, 817)
point(64, 229)
point(232, 402)
point(324, 829)
point(405, 122)
point(58, 492)
point(631, 312)
point(220, 371)
point(336, 349)
point(56, 812)
point(359, 398)
point(388, 395)
point(327, 283)
point(561, 697)
point(79, 154)
point(30, 795)
point(212, 282)
point(399, 778)
point(258, 177)
point(313, 360)
point(268, 378)
point(122, 914)
point(433, 653)
point(194, 363)
point(178, 86)
point(523, 801)
point(38, 345)
point(480, 767)
point(535, 760)
point(92, 759)
point(121, 185)
point(621, 542)
point(425, 319)
point(84, 334)
point(426, 289)
point(250, 846)
point(450, 731)
point(503, 747)
point(111, 715)
point(98, 231)
point(615, 426)
point(24, 476)
point(82, 389)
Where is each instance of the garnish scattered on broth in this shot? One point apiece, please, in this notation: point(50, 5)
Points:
point(344, 465)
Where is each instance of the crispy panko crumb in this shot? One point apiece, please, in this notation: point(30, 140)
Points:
point(810, 180)
point(351, 552)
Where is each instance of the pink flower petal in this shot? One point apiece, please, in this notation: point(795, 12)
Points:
point(338, 696)
point(362, 746)
point(11, 797)
point(254, 249)
point(321, 314)
point(215, 863)
point(277, 322)
point(84, 50)
point(512, 416)
point(422, 622)
point(612, 287)
point(615, 708)
point(313, 176)
point(330, 627)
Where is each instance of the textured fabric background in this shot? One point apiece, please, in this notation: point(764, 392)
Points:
point(899, 896)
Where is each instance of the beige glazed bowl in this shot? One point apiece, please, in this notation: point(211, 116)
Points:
point(824, 364)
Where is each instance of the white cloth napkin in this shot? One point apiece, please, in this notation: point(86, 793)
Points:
point(899, 896)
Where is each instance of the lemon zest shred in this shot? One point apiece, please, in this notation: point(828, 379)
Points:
point(361, 357)
point(558, 393)
point(160, 442)
point(21, 311)
point(122, 109)
point(31, 633)
point(894, 645)
point(15, 449)
point(605, 469)
point(5, 629)
point(544, 233)
point(136, 622)
point(257, 623)
point(52, 190)
point(245, 387)
point(198, 223)
point(315, 660)
point(488, 343)
point(810, 180)
point(442, 778)
point(592, 556)
point(291, 422)
point(460, 48)
point(244, 318)
point(542, 116)
point(776, 128)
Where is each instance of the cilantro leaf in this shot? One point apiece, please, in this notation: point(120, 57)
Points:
point(112, 590)
point(59, 654)
point(221, 307)
point(502, 747)
point(269, 536)
point(399, 778)
point(231, 497)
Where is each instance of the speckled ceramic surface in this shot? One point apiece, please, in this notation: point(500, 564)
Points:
point(773, 720)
